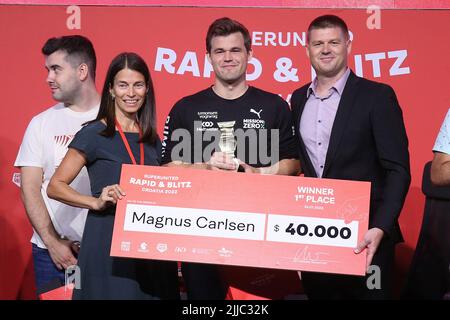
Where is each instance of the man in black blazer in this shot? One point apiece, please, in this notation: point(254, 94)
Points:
point(351, 128)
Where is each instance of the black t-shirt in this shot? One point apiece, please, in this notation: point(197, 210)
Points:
point(260, 122)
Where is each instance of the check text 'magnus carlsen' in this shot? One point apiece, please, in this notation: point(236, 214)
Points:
point(201, 222)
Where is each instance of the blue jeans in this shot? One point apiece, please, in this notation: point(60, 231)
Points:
point(47, 275)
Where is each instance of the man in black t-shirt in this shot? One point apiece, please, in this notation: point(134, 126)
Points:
point(229, 126)
point(260, 122)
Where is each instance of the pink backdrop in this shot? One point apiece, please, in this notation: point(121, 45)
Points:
point(407, 51)
point(384, 4)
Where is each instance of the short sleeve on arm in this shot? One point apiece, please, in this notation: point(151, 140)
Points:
point(442, 143)
point(86, 141)
point(30, 152)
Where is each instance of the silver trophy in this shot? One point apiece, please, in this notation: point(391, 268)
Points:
point(227, 141)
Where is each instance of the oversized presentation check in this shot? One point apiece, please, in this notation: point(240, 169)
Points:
point(233, 218)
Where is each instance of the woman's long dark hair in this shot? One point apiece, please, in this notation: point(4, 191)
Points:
point(146, 114)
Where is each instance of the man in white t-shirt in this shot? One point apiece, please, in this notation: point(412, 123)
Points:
point(440, 167)
point(70, 62)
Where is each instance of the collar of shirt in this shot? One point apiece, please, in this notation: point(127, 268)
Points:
point(337, 87)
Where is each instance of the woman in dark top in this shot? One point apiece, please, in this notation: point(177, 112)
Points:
point(123, 132)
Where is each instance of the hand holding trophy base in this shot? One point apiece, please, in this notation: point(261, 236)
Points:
point(227, 145)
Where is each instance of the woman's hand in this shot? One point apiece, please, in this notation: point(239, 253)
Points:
point(108, 197)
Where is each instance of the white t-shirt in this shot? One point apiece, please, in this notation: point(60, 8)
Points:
point(442, 143)
point(44, 145)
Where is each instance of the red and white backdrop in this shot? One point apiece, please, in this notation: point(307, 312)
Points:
point(399, 45)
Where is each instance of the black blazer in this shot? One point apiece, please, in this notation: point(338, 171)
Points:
point(368, 142)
